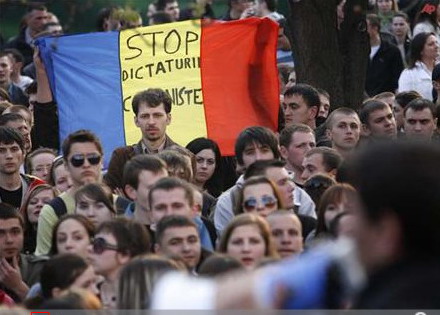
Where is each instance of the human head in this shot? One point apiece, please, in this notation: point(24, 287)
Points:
point(417, 47)
point(138, 278)
point(420, 119)
point(377, 120)
point(324, 99)
point(11, 150)
point(256, 143)
point(403, 99)
point(116, 242)
point(24, 111)
point(34, 201)
point(274, 170)
point(177, 164)
point(392, 180)
point(321, 160)
point(72, 234)
point(301, 105)
point(317, 184)
point(208, 164)
point(295, 141)
point(239, 6)
point(219, 264)
point(171, 196)
point(386, 6)
point(265, 5)
point(58, 175)
point(169, 6)
point(11, 232)
point(39, 162)
point(260, 196)
point(178, 236)
point(83, 157)
point(17, 60)
point(336, 199)
point(66, 271)
point(428, 12)
point(36, 18)
point(373, 25)
point(53, 28)
point(160, 17)
point(343, 128)
point(247, 237)
point(95, 202)
point(5, 69)
point(400, 24)
point(17, 121)
point(286, 230)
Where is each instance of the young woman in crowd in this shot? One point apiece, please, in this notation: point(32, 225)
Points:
point(259, 196)
point(58, 176)
point(137, 280)
point(208, 165)
point(427, 19)
point(248, 238)
point(36, 198)
point(73, 233)
point(39, 162)
point(94, 202)
point(385, 11)
point(418, 76)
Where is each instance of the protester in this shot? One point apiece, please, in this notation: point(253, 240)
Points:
point(58, 176)
point(39, 162)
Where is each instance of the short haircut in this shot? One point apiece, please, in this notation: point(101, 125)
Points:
point(341, 110)
point(80, 136)
point(381, 175)
point(374, 20)
point(175, 160)
point(287, 132)
point(9, 135)
point(258, 168)
point(132, 237)
point(403, 98)
point(419, 105)
point(160, 17)
point(18, 108)
point(171, 183)
point(9, 212)
point(259, 135)
point(152, 98)
point(28, 162)
point(219, 264)
point(323, 92)
point(172, 221)
point(368, 107)
point(5, 54)
point(308, 93)
point(402, 15)
point(5, 118)
point(15, 53)
point(139, 163)
point(161, 4)
point(383, 95)
point(36, 7)
point(331, 158)
point(317, 184)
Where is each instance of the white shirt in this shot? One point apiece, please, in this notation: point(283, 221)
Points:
point(417, 79)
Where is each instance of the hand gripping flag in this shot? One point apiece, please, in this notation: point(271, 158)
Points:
point(221, 76)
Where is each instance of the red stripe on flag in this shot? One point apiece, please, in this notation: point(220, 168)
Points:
point(239, 78)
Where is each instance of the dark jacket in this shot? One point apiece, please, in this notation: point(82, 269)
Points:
point(19, 43)
point(384, 70)
point(45, 132)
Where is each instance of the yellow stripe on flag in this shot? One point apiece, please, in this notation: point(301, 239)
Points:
point(164, 56)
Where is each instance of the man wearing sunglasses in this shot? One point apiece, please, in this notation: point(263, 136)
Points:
point(116, 242)
point(82, 153)
point(152, 109)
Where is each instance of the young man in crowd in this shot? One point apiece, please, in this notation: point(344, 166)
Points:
point(170, 7)
point(402, 99)
point(286, 232)
point(15, 93)
point(420, 121)
point(378, 122)
point(301, 105)
point(17, 271)
point(321, 160)
point(18, 122)
point(152, 109)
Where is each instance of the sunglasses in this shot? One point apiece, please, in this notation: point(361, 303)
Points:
point(100, 245)
point(251, 204)
point(78, 160)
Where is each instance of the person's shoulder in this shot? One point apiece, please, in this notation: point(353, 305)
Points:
point(34, 259)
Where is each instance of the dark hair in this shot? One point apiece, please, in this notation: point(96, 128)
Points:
point(28, 162)
point(323, 92)
point(172, 221)
point(9, 135)
point(98, 193)
point(170, 183)
point(341, 110)
point(132, 237)
point(5, 118)
point(415, 50)
point(212, 185)
point(316, 185)
point(29, 195)
point(271, 4)
point(61, 272)
point(419, 105)
point(287, 132)
point(219, 264)
point(139, 163)
point(374, 20)
point(80, 136)
point(381, 175)
point(307, 92)
point(403, 98)
point(368, 107)
point(160, 17)
point(258, 168)
point(402, 15)
point(152, 98)
point(85, 222)
point(331, 159)
point(16, 54)
point(161, 4)
point(257, 134)
point(31, 88)
point(9, 212)
point(51, 176)
point(36, 6)
point(426, 14)
point(175, 160)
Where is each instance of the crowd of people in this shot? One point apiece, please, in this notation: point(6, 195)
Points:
point(168, 226)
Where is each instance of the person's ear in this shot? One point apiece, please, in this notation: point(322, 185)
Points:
point(365, 131)
point(157, 249)
point(284, 153)
point(313, 112)
point(168, 119)
point(130, 192)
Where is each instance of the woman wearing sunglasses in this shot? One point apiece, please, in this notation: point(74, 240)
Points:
point(259, 196)
point(248, 238)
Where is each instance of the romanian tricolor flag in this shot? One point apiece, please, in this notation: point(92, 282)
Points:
point(221, 76)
